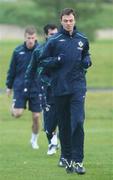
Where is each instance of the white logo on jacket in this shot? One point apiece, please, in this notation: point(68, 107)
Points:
point(80, 45)
point(62, 40)
point(22, 52)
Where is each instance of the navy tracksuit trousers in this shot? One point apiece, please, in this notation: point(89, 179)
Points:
point(70, 109)
point(50, 119)
point(50, 115)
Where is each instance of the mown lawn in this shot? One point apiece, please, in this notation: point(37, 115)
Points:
point(19, 162)
point(6, 49)
point(100, 74)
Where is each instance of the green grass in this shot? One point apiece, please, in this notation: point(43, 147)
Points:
point(99, 75)
point(19, 162)
point(6, 49)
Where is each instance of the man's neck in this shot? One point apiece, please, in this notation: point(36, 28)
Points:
point(71, 32)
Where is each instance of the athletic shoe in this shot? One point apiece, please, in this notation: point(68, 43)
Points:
point(34, 145)
point(51, 149)
point(54, 139)
point(62, 162)
point(78, 168)
point(69, 166)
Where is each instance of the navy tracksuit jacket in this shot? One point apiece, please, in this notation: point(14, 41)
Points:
point(69, 87)
point(20, 60)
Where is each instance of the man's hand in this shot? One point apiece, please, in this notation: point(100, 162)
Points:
point(52, 62)
point(8, 92)
point(86, 62)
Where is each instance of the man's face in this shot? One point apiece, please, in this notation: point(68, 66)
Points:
point(51, 32)
point(68, 22)
point(30, 40)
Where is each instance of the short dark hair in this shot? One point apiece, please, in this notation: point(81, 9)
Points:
point(30, 30)
point(67, 11)
point(49, 26)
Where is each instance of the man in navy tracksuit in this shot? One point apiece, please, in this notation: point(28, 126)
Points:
point(69, 88)
point(15, 80)
point(50, 117)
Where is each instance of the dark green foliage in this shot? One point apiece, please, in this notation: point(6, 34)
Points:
point(91, 15)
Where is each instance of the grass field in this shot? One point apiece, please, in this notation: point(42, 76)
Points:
point(99, 75)
point(19, 162)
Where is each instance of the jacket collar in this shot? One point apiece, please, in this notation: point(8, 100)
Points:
point(36, 43)
point(62, 30)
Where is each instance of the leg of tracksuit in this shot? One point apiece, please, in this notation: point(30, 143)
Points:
point(51, 122)
point(53, 119)
point(77, 121)
point(46, 122)
point(64, 123)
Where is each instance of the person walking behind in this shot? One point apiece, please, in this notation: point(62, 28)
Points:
point(15, 82)
point(50, 116)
